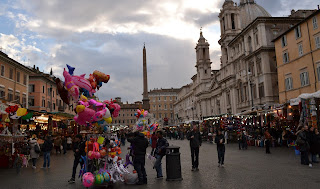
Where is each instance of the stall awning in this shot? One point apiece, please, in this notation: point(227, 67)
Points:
point(296, 101)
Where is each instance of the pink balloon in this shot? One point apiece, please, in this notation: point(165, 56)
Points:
point(83, 83)
point(87, 179)
point(73, 89)
point(145, 113)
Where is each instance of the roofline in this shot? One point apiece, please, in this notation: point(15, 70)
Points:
point(14, 62)
point(302, 21)
point(260, 19)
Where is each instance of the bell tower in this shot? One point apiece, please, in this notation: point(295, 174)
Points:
point(203, 64)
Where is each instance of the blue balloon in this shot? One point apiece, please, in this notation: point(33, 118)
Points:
point(141, 115)
point(71, 69)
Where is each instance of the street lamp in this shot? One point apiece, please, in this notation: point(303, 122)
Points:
point(250, 83)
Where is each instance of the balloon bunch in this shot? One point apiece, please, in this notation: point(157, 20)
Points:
point(141, 115)
point(95, 112)
point(15, 113)
point(74, 85)
point(153, 127)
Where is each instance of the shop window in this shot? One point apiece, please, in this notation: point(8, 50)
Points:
point(2, 70)
point(284, 41)
point(288, 83)
point(298, 32)
point(315, 23)
point(304, 78)
point(300, 49)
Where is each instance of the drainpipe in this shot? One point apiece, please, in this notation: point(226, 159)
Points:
point(314, 70)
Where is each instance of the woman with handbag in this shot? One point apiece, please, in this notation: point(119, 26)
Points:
point(34, 150)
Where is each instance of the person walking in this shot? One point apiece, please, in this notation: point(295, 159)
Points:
point(220, 141)
point(154, 139)
point(46, 148)
point(140, 144)
point(69, 142)
point(57, 144)
point(303, 143)
point(79, 150)
point(226, 136)
point(268, 139)
point(34, 150)
point(64, 144)
point(161, 146)
point(314, 144)
point(240, 140)
point(195, 143)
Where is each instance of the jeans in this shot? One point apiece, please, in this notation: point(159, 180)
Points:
point(152, 151)
point(304, 158)
point(46, 156)
point(64, 149)
point(34, 161)
point(139, 163)
point(195, 157)
point(221, 152)
point(314, 157)
point(75, 165)
point(268, 146)
point(157, 165)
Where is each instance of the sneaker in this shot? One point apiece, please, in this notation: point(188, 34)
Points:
point(193, 169)
point(222, 165)
point(310, 165)
point(219, 165)
point(34, 167)
point(71, 180)
point(43, 167)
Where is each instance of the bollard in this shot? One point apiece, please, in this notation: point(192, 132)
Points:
point(173, 164)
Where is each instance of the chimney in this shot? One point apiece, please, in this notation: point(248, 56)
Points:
point(34, 67)
point(292, 11)
point(37, 68)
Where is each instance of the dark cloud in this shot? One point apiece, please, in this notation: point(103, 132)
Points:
point(200, 18)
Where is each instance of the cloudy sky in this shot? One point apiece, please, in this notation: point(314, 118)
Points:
point(108, 35)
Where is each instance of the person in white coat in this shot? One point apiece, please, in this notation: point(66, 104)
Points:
point(33, 154)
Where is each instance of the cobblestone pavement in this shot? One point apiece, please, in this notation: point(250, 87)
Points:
point(247, 169)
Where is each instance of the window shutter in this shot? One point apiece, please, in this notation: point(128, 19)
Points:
point(307, 78)
point(301, 79)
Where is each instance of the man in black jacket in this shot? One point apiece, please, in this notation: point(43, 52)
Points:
point(140, 144)
point(46, 149)
point(220, 141)
point(195, 143)
point(79, 150)
point(162, 144)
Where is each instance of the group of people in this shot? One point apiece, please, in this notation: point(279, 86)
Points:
point(308, 140)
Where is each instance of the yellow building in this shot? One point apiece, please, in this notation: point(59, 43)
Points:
point(298, 58)
point(14, 79)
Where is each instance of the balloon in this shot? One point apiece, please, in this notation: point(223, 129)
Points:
point(82, 82)
point(109, 120)
point(99, 115)
point(71, 69)
point(21, 112)
point(92, 81)
point(99, 76)
point(145, 113)
point(63, 92)
point(87, 179)
point(27, 117)
point(84, 114)
point(99, 179)
point(106, 176)
point(73, 89)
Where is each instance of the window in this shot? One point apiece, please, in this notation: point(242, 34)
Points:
point(233, 24)
point(18, 77)
point(285, 57)
point(257, 39)
point(159, 98)
point(317, 38)
point(315, 23)
point(250, 44)
point(165, 106)
point(160, 115)
point(165, 98)
point(170, 98)
point(228, 99)
point(53, 93)
point(31, 101)
point(49, 91)
point(43, 103)
point(42, 89)
point(159, 106)
point(10, 95)
point(318, 71)
point(2, 93)
point(31, 88)
point(288, 83)
point(24, 79)
point(2, 70)
point(298, 32)
point(11, 73)
point(284, 41)
point(254, 93)
point(171, 106)
point(17, 98)
point(304, 78)
point(261, 90)
point(300, 49)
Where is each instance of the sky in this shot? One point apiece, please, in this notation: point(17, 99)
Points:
point(108, 36)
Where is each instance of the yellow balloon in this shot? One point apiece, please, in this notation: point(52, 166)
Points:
point(21, 112)
point(108, 120)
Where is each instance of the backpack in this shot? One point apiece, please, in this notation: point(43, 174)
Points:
point(37, 149)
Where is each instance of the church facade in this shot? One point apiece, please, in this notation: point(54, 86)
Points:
point(247, 78)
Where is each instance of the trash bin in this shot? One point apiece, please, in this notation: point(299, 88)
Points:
point(173, 164)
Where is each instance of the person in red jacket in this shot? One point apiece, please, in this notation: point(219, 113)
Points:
point(154, 139)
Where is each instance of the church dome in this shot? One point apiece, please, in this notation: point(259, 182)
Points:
point(249, 11)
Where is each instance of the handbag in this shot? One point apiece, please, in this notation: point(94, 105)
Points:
point(37, 149)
